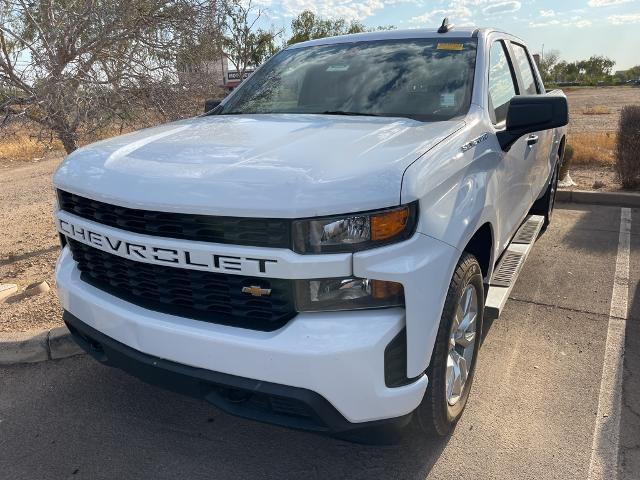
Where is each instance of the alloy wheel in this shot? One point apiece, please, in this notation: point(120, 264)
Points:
point(462, 344)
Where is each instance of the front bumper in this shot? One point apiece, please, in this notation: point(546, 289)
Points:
point(257, 400)
point(337, 355)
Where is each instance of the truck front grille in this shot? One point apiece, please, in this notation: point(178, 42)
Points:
point(207, 296)
point(257, 232)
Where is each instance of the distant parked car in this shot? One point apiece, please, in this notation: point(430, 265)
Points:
point(568, 84)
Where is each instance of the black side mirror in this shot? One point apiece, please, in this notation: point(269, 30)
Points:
point(210, 105)
point(533, 113)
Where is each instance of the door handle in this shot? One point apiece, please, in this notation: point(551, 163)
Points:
point(532, 140)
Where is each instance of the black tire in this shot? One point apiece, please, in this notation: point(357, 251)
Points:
point(435, 415)
point(544, 206)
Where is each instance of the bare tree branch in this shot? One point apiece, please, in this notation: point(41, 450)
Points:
point(75, 67)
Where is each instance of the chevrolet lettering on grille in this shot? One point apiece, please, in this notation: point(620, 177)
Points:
point(162, 255)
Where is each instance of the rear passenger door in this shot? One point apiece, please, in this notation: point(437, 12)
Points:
point(542, 164)
point(514, 171)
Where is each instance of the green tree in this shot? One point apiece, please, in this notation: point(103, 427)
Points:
point(590, 71)
point(547, 66)
point(632, 74)
point(595, 69)
point(559, 72)
point(309, 26)
point(572, 72)
point(564, 71)
point(242, 42)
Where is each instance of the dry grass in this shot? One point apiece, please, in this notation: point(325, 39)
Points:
point(107, 132)
point(18, 145)
point(596, 110)
point(593, 148)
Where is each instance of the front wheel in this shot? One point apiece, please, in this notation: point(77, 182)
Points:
point(454, 357)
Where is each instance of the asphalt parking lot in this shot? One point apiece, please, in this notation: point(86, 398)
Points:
point(533, 412)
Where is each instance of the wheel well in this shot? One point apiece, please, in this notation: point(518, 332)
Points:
point(480, 246)
point(561, 148)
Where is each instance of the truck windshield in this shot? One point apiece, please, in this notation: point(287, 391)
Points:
point(423, 79)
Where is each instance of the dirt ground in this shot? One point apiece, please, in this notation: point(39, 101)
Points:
point(29, 243)
point(594, 177)
point(598, 109)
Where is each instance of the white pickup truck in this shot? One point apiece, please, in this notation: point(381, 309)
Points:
point(320, 249)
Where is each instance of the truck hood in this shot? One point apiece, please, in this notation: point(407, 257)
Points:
point(255, 165)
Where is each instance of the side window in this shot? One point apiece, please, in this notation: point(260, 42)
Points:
point(526, 72)
point(501, 85)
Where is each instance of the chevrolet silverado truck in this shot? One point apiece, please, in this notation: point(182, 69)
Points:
point(321, 249)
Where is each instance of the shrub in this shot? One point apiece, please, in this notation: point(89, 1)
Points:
point(628, 147)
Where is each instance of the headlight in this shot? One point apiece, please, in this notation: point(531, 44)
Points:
point(352, 233)
point(331, 294)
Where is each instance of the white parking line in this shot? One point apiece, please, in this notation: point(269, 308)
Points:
point(606, 435)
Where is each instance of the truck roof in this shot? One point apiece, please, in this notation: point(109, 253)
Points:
point(466, 32)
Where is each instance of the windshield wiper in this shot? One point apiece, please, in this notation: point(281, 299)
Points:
point(355, 114)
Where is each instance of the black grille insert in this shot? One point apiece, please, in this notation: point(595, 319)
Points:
point(208, 296)
point(257, 232)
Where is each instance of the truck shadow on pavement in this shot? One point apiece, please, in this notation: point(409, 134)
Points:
point(75, 418)
point(237, 448)
point(591, 229)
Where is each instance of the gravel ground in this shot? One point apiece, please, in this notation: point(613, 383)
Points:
point(601, 99)
point(594, 177)
point(28, 244)
point(610, 99)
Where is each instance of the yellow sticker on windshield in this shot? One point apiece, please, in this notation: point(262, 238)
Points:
point(451, 46)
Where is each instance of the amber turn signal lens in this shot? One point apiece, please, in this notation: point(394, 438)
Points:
point(389, 224)
point(384, 290)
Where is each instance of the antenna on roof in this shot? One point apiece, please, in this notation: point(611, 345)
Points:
point(446, 26)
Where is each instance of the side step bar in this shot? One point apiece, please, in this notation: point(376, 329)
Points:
point(507, 271)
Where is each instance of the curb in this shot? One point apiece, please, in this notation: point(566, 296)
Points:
point(618, 199)
point(28, 347)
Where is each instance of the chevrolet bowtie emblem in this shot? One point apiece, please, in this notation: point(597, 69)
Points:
point(257, 291)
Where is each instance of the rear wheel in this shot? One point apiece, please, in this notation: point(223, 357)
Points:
point(545, 205)
point(454, 357)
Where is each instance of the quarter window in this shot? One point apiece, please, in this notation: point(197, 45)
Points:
point(501, 85)
point(526, 72)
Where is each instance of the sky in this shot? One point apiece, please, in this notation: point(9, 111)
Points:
point(576, 29)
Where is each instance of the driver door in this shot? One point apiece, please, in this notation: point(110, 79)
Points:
point(514, 170)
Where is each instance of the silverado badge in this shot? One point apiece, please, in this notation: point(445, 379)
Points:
point(476, 141)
